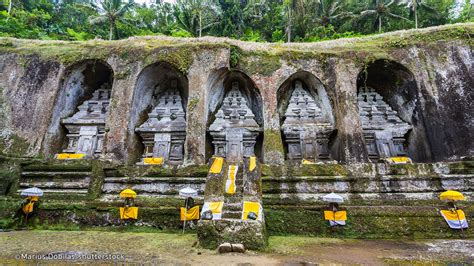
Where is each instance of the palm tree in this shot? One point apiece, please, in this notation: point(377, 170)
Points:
point(329, 11)
point(110, 11)
point(414, 5)
point(195, 16)
point(380, 9)
point(293, 9)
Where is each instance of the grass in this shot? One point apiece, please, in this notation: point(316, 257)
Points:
point(292, 245)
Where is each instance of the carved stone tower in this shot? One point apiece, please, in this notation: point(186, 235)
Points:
point(305, 128)
point(164, 132)
point(384, 131)
point(86, 128)
point(235, 130)
point(233, 184)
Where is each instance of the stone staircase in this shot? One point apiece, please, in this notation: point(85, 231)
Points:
point(150, 185)
point(232, 208)
point(57, 179)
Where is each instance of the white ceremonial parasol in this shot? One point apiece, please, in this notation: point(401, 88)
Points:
point(34, 191)
point(333, 197)
point(188, 192)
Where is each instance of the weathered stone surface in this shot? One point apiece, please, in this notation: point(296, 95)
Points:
point(238, 248)
point(224, 248)
point(435, 86)
point(251, 234)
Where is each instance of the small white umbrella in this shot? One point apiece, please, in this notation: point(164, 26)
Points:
point(186, 193)
point(34, 191)
point(333, 197)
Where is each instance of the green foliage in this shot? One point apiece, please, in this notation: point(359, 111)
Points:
point(256, 20)
point(78, 36)
point(235, 55)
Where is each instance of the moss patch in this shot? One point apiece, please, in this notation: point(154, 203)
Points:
point(259, 63)
point(272, 141)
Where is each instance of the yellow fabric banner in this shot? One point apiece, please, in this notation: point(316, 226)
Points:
point(128, 213)
point(253, 163)
point(399, 160)
point(230, 183)
point(216, 207)
point(28, 208)
point(158, 160)
point(452, 216)
point(191, 214)
point(335, 216)
point(33, 198)
point(250, 206)
point(68, 156)
point(216, 166)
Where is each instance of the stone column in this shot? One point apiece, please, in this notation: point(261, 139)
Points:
point(116, 145)
point(205, 63)
point(350, 144)
point(273, 152)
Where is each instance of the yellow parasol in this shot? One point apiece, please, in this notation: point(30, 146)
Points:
point(452, 195)
point(128, 193)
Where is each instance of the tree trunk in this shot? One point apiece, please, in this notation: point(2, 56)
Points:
point(111, 30)
point(380, 24)
point(200, 24)
point(416, 13)
point(9, 9)
point(288, 29)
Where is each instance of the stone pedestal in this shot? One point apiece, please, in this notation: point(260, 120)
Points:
point(252, 234)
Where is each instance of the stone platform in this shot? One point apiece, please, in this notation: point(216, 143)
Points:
point(382, 201)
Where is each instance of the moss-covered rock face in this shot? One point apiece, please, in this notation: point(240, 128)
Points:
point(386, 201)
point(249, 233)
point(363, 222)
point(38, 69)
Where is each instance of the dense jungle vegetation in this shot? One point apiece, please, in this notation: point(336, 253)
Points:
point(251, 20)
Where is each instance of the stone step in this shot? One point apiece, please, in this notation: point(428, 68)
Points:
point(54, 174)
point(228, 199)
point(233, 206)
point(231, 214)
point(62, 191)
point(58, 184)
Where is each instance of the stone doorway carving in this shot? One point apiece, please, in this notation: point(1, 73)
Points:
point(78, 121)
point(234, 131)
point(306, 118)
point(391, 115)
point(157, 124)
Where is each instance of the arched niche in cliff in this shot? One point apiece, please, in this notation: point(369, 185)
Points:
point(80, 83)
point(385, 86)
point(220, 85)
point(306, 118)
point(160, 94)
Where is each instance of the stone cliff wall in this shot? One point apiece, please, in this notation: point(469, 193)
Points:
point(438, 63)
